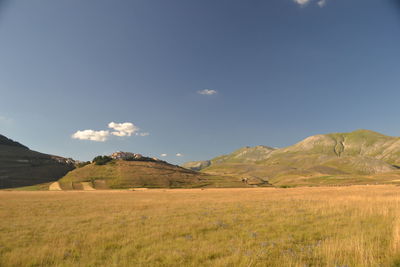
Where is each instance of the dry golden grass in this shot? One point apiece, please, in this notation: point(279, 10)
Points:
point(335, 226)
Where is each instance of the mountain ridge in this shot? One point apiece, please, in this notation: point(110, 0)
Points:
point(361, 152)
point(9, 142)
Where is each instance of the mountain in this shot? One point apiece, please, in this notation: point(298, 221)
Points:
point(8, 142)
point(361, 155)
point(242, 155)
point(138, 173)
point(20, 166)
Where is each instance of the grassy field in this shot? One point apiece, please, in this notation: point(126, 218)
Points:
point(331, 226)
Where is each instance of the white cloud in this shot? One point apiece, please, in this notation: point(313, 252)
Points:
point(179, 155)
point(98, 136)
point(123, 129)
point(163, 155)
point(302, 2)
point(142, 134)
point(120, 129)
point(207, 92)
point(321, 3)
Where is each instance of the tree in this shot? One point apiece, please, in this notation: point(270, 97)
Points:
point(102, 160)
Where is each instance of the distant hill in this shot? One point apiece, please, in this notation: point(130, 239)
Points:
point(242, 155)
point(123, 174)
point(359, 156)
point(20, 166)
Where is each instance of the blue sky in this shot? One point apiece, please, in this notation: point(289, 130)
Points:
point(277, 71)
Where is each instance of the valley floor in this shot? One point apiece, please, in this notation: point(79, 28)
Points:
point(319, 226)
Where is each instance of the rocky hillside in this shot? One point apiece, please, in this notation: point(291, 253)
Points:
point(355, 154)
point(20, 166)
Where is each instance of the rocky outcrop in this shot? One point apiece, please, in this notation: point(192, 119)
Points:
point(125, 155)
point(129, 156)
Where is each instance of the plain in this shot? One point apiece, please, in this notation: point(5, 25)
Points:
point(309, 226)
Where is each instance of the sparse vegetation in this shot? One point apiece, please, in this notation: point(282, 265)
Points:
point(82, 164)
point(347, 226)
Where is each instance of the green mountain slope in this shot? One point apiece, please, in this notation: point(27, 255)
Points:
point(357, 155)
point(20, 166)
point(242, 155)
point(120, 174)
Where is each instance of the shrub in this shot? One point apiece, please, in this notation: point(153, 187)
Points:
point(139, 159)
point(102, 160)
